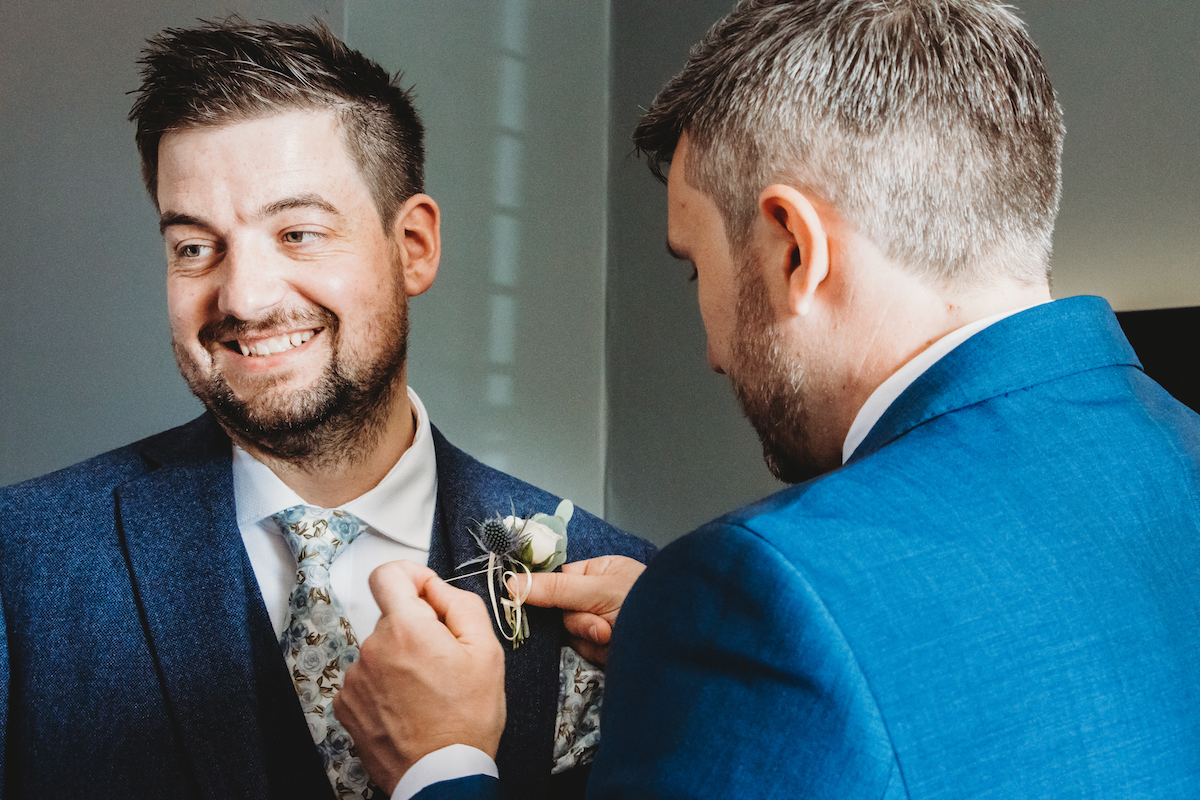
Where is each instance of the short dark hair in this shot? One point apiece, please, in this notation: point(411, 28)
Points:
point(930, 125)
point(228, 70)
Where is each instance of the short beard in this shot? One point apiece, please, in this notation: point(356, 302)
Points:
point(770, 384)
point(338, 420)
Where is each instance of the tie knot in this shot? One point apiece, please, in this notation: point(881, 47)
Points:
point(316, 536)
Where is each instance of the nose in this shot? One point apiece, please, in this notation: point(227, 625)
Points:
point(251, 283)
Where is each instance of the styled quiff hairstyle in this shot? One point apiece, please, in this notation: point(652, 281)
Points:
point(230, 71)
point(930, 125)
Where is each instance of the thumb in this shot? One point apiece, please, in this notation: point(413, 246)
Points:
point(463, 612)
point(396, 587)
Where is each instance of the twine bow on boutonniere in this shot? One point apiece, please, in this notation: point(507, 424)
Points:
point(515, 548)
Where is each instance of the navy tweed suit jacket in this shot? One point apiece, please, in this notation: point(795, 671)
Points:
point(139, 659)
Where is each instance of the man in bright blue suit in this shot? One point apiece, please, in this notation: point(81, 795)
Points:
point(984, 583)
point(145, 591)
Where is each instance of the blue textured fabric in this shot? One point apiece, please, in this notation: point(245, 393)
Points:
point(141, 661)
point(997, 597)
point(476, 787)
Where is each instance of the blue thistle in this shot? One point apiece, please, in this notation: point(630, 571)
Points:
point(495, 537)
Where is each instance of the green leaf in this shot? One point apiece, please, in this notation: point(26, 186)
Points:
point(553, 523)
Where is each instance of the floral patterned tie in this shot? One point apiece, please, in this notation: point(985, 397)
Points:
point(318, 642)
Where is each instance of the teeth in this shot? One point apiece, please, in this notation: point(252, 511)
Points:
point(276, 344)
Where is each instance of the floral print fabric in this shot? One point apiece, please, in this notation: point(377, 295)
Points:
point(318, 642)
point(577, 728)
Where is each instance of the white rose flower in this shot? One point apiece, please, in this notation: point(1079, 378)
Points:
point(317, 727)
point(323, 616)
point(354, 774)
point(316, 576)
point(310, 699)
point(311, 660)
point(542, 541)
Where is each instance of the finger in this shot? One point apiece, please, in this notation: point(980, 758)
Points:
point(580, 567)
point(396, 588)
point(594, 653)
point(605, 565)
point(573, 592)
point(463, 612)
point(588, 627)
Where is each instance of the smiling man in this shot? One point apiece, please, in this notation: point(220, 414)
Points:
point(287, 296)
point(984, 582)
point(180, 613)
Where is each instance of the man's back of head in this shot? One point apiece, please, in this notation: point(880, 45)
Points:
point(930, 125)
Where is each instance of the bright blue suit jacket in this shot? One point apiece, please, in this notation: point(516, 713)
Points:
point(997, 597)
point(139, 660)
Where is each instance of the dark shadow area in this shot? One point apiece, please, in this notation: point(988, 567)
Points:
point(1167, 341)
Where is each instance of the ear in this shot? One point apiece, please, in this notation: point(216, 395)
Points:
point(797, 244)
point(418, 237)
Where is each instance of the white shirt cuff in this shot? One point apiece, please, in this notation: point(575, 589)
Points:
point(447, 764)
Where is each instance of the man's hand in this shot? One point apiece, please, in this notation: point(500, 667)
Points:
point(590, 593)
point(431, 675)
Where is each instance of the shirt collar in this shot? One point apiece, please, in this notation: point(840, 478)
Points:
point(886, 393)
point(399, 507)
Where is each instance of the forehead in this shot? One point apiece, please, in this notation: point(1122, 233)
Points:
point(253, 160)
point(692, 216)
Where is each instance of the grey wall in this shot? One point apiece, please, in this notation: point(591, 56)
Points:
point(559, 341)
point(1127, 73)
point(508, 347)
point(679, 452)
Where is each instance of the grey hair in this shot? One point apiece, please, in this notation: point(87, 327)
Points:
point(930, 125)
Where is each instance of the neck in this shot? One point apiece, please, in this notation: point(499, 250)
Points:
point(906, 317)
point(337, 476)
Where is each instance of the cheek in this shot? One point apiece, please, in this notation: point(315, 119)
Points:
point(185, 306)
point(716, 309)
point(347, 289)
point(717, 327)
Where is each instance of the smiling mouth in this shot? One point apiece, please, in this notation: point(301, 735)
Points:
point(272, 345)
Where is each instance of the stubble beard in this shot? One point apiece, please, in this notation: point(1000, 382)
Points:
point(337, 420)
point(770, 384)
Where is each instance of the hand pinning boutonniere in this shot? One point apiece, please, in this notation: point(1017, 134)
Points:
point(516, 548)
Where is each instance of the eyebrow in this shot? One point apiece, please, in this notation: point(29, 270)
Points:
point(170, 219)
point(173, 218)
point(299, 201)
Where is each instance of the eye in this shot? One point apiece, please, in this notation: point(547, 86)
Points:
point(300, 237)
point(194, 250)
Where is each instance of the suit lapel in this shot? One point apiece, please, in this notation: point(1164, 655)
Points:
point(469, 492)
point(228, 692)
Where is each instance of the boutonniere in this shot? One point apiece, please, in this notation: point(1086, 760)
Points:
point(514, 547)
